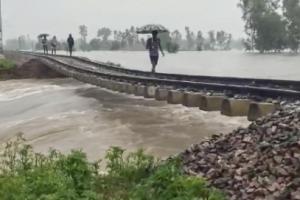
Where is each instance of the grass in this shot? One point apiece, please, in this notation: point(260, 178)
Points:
point(6, 64)
point(136, 176)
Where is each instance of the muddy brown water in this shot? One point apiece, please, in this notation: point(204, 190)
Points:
point(65, 114)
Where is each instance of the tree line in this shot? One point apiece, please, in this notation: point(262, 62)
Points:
point(108, 39)
point(271, 25)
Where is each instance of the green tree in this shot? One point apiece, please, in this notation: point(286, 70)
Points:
point(212, 40)
point(176, 36)
point(264, 26)
point(190, 37)
point(228, 42)
point(165, 38)
point(83, 31)
point(104, 33)
point(291, 11)
point(221, 39)
point(95, 44)
point(271, 33)
point(200, 41)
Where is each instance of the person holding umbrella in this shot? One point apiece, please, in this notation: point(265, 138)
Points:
point(43, 39)
point(153, 44)
point(45, 44)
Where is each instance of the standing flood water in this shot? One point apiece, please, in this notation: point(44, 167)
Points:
point(65, 114)
point(211, 63)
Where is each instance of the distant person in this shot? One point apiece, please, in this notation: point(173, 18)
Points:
point(53, 45)
point(45, 44)
point(70, 44)
point(154, 45)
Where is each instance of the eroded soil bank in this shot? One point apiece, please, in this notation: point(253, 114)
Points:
point(27, 68)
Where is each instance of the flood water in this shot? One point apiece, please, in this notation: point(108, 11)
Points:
point(65, 114)
point(218, 63)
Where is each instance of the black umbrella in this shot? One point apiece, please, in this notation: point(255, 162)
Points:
point(152, 27)
point(43, 35)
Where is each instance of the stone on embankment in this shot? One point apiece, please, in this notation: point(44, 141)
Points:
point(258, 110)
point(261, 161)
point(211, 103)
point(161, 94)
point(175, 97)
point(235, 107)
point(192, 99)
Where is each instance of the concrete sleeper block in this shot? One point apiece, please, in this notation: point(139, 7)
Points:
point(161, 94)
point(140, 91)
point(192, 99)
point(211, 103)
point(150, 92)
point(131, 89)
point(175, 97)
point(235, 107)
point(258, 110)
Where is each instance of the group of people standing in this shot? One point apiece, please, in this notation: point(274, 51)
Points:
point(153, 45)
point(53, 44)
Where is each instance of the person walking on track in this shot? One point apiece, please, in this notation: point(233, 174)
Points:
point(70, 44)
point(154, 45)
point(53, 45)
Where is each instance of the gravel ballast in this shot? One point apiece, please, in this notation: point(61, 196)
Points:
point(258, 162)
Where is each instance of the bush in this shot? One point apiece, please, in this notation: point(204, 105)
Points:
point(136, 176)
point(172, 47)
point(6, 64)
point(169, 182)
point(115, 45)
point(31, 176)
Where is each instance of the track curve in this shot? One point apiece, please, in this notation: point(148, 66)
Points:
point(251, 88)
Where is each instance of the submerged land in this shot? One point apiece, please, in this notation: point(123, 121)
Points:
point(260, 161)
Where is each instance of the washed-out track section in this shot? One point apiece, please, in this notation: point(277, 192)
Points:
point(231, 96)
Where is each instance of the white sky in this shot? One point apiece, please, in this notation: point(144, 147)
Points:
point(61, 17)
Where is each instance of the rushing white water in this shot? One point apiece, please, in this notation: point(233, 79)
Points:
point(219, 63)
point(65, 114)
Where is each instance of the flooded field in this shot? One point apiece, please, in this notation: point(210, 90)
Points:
point(226, 63)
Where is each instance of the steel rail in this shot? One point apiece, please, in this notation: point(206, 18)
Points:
point(271, 83)
point(264, 92)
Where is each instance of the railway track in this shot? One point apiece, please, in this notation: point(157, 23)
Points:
point(249, 88)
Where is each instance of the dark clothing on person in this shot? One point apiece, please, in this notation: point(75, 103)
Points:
point(70, 44)
point(154, 60)
point(53, 46)
point(45, 45)
point(53, 49)
point(153, 45)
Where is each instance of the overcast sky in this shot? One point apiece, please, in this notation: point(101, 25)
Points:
point(61, 17)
